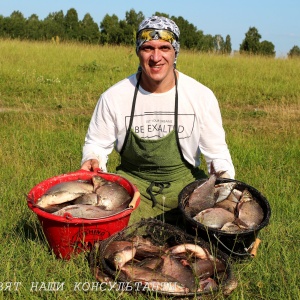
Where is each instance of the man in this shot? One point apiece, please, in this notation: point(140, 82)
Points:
point(160, 121)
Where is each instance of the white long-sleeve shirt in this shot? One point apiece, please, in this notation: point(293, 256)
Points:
point(199, 122)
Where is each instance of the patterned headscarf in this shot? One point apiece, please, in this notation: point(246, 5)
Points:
point(157, 22)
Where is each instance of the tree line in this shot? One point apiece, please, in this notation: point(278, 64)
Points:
point(58, 26)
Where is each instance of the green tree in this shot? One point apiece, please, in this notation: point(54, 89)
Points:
point(34, 28)
point(251, 43)
point(267, 48)
point(2, 26)
point(134, 19)
point(111, 32)
point(129, 26)
point(188, 33)
point(15, 25)
point(207, 43)
point(161, 15)
point(89, 30)
point(227, 45)
point(71, 24)
point(54, 25)
point(294, 52)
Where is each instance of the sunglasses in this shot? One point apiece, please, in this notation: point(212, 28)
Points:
point(155, 34)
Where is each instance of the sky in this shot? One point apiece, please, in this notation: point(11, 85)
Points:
point(277, 21)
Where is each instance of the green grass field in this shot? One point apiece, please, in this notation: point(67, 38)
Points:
point(47, 95)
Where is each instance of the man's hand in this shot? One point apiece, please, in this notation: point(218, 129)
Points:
point(90, 165)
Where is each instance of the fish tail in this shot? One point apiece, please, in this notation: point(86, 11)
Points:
point(30, 200)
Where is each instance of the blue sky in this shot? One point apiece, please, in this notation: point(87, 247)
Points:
point(277, 21)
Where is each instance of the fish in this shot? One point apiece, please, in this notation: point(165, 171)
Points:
point(206, 268)
point(184, 275)
point(137, 239)
point(182, 268)
point(98, 181)
point(119, 253)
point(223, 190)
point(110, 194)
point(230, 286)
point(235, 195)
point(203, 196)
point(249, 211)
point(154, 281)
point(84, 211)
point(151, 262)
point(231, 227)
point(64, 192)
point(166, 287)
point(88, 199)
point(195, 249)
point(52, 208)
point(145, 249)
point(207, 284)
point(228, 205)
point(246, 196)
point(214, 217)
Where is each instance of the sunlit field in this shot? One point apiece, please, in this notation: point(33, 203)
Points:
point(47, 94)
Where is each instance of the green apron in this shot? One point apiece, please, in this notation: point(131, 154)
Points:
point(158, 169)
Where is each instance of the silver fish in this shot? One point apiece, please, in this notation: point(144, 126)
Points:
point(151, 262)
point(203, 196)
point(230, 286)
point(110, 194)
point(88, 199)
point(204, 268)
point(85, 211)
point(223, 190)
point(119, 253)
point(64, 192)
point(197, 250)
point(231, 227)
point(155, 281)
point(227, 204)
point(235, 195)
point(214, 217)
point(207, 284)
point(172, 267)
point(249, 211)
point(246, 196)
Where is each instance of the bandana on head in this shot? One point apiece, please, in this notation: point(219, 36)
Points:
point(159, 23)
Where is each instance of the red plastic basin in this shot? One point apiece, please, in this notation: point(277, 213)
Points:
point(68, 236)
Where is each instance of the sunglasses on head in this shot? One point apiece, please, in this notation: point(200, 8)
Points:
point(157, 34)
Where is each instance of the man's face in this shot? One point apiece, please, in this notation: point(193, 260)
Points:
point(157, 61)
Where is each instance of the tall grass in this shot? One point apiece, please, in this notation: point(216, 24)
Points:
point(47, 95)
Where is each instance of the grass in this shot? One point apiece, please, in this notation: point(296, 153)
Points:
point(47, 95)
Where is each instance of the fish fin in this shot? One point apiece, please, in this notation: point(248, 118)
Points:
point(219, 174)
point(30, 200)
point(212, 168)
point(216, 195)
point(213, 171)
point(240, 223)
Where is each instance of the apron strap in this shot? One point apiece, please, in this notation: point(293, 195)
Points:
point(132, 112)
point(176, 118)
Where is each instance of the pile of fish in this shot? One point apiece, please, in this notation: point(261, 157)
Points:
point(224, 206)
point(174, 269)
point(92, 199)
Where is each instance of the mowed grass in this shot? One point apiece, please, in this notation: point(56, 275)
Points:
point(47, 95)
